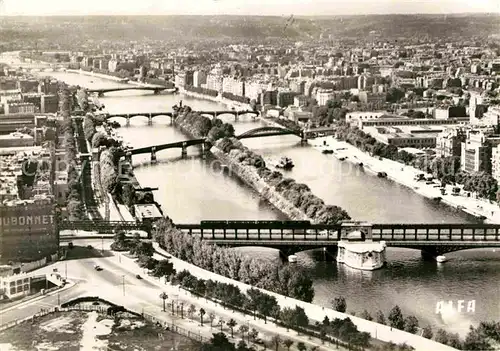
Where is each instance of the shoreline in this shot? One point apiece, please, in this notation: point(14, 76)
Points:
point(315, 312)
point(217, 98)
point(265, 191)
point(405, 175)
point(98, 75)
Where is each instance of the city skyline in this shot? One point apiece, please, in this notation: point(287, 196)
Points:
point(239, 7)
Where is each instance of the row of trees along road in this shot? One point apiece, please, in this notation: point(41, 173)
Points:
point(446, 169)
point(265, 306)
point(484, 337)
point(66, 129)
point(284, 280)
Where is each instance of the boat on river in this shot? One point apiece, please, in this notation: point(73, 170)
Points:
point(285, 163)
point(441, 259)
point(327, 151)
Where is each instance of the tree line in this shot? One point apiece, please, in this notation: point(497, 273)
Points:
point(481, 338)
point(300, 195)
point(446, 169)
point(201, 126)
point(66, 129)
point(200, 90)
point(342, 332)
point(283, 280)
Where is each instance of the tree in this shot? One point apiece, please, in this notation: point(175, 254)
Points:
point(202, 313)
point(379, 317)
point(145, 249)
point(253, 334)
point(396, 318)
point(301, 346)
point(366, 315)
point(221, 323)
point(394, 94)
point(191, 310)
point(163, 268)
point(427, 332)
point(243, 329)
point(99, 139)
point(231, 324)
point(339, 304)
point(288, 343)
point(276, 341)
point(128, 195)
point(211, 317)
point(411, 324)
point(164, 297)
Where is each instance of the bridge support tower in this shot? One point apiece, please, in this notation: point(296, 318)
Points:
point(157, 92)
point(184, 150)
point(128, 157)
point(100, 94)
point(128, 122)
point(153, 154)
point(236, 116)
point(205, 147)
point(303, 138)
point(150, 120)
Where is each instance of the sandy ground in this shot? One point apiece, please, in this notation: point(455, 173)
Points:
point(92, 329)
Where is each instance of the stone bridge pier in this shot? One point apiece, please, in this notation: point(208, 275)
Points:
point(127, 124)
point(150, 120)
point(184, 150)
point(153, 154)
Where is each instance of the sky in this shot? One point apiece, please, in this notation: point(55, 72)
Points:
point(242, 7)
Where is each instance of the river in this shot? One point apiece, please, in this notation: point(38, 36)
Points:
point(193, 189)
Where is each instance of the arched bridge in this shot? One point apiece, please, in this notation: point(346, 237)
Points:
point(102, 91)
point(295, 236)
point(254, 133)
point(268, 131)
point(171, 114)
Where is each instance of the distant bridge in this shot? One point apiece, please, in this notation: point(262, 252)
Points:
point(172, 115)
point(294, 236)
point(205, 144)
point(102, 91)
point(102, 226)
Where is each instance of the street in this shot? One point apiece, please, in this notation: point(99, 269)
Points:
point(117, 283)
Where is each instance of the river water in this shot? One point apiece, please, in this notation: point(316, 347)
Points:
point(193, 189)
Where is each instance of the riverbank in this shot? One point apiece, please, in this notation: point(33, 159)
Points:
point(405, 175)
point(218, 98)
point(98, 75)
point(250, 177)
point(315, 312)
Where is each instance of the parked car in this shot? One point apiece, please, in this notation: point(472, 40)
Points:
point(97, 267)
point(138, 276)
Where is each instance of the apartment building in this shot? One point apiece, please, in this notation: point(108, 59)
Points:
point(449, 142)
point(477, 151)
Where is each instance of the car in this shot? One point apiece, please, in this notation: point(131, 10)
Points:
point(138, 276)
point(259, 341)
point(97, 267)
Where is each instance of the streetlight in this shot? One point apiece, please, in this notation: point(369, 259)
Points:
point(164, 296)
point(102, 244)
point(123, 284)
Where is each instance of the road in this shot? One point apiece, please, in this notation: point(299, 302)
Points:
point(117, 282)
point(113, 277)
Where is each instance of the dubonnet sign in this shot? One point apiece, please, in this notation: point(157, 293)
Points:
point(32, 218)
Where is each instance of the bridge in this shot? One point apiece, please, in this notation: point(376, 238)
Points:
point(205, 144)
point(294, 236)
point(102, 226)
point(102, 91)
point(172, 114)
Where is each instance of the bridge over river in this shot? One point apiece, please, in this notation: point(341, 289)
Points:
point(102, 91)
point(294, 236)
